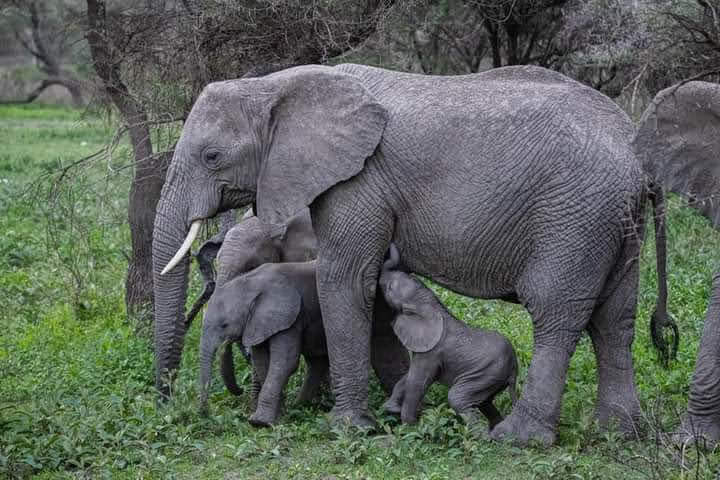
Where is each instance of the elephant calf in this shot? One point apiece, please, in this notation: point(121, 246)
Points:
point(274, 311)
point(476, 364)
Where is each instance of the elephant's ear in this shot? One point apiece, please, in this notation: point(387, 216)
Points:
point(275, 309)
point(418, 331)
point(678, 143)
point(324, 125)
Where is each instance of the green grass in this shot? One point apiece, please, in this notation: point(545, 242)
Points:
point(76, 382)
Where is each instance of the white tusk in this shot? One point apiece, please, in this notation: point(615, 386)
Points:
point(248, 214)
point(182, 251)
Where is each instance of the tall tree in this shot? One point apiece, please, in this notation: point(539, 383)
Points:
point(462, 36)
point(45, 31)
point(149, 168)
point(155, 57)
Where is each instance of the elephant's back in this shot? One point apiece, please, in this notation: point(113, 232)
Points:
point(520, 114)
point(507, 89)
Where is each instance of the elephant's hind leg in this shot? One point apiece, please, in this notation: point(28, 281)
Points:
point(702, 420)
point(466, 398)
point(491, 413)
point(318, 370)
point(560, 297)
point(612, 328)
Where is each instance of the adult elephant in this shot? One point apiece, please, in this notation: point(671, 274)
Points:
point(679, 145)
point(517, 183)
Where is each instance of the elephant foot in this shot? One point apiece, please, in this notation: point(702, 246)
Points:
point(522, 429)
point(392, 407)
point(262, 419)
point(476, 427)
point(626, 416)
point(361, 419)
point(470, 417)
point(705, 430)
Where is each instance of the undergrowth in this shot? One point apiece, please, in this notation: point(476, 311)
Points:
point(76, 380)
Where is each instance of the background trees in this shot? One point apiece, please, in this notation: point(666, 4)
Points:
point(47, 33)
point(68, 354)
point(149, 60)
point(154, 58)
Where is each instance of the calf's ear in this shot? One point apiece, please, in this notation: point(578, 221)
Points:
point(275, 309)
point(418, 331)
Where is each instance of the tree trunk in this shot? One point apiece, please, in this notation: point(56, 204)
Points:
point(511, 31)
point(144, 195)
point(149, 169)
point(494, 38)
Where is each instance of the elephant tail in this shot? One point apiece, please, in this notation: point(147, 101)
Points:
point(661, 319)
point(227, 370)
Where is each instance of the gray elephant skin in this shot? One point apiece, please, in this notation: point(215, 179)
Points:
point(679, 144)
point(273, 310)
point(496, 185)
point(241, 248)
point(247, 245)
point(250, 244)
point(475, 364)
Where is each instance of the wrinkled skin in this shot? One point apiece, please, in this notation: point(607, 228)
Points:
point(273, 310)
point(207, 253)
point(240, 248)
point(475, 364)
point(678, 142)
point(248, 245)
point(495, 185)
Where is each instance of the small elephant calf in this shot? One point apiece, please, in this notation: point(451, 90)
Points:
point(476, 364)
point(274, 311)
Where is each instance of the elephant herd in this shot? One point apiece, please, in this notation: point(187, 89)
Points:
point(517, 183)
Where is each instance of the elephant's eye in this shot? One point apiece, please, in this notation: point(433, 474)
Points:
point(212, 157)
point(224, 326)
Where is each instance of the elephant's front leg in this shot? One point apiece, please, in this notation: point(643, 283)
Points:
point(284, 356)
point(393, 405)
point(416, 383)
point(260, 364)
point(347, 328)
point(351, 247)
point(703, 414)
point(389, 358)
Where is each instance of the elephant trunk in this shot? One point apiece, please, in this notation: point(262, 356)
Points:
point(393, 258)
point(170, 288)
point(227, 370)
point(208, 347)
